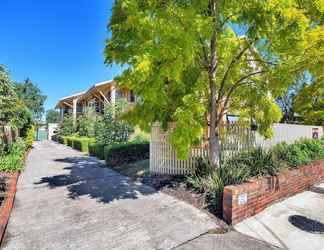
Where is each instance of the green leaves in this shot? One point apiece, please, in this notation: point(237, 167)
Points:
point(166, 47)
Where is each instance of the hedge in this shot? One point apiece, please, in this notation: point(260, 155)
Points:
point(79, 143)
point(82, 143)
point(97, 150)
point(126, 153)
point(62, 139)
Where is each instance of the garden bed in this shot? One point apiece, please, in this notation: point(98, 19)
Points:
point(250, 198)
point(8, 183)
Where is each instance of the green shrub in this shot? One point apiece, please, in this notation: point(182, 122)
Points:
point(30, 136)
point(86, 123)
point(69, 141)
point(62, 139)
point(246, 165)
point(97, 150)
point(66, 127)
point(111, 129)
point(82, 143)
point(13, 161)
point(301, 152)
point(212, 181)
point(126, 153)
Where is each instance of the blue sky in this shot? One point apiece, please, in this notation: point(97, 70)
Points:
point(57, 44)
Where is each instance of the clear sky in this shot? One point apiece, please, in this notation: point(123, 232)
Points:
point(57, 44)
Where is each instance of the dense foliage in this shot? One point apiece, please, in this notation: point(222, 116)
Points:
point(309, 103)
point(251, 164)
point(13, 111)
point(13, 161)
point(52, 116)
point(86, 123)
point(32, 96)
point(97, 150)
point(110, 128)
point(66, 127)
point(126, 153)
point(189, 63)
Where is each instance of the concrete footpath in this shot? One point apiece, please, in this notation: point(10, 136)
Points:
point(296, 223)
point(68, 201)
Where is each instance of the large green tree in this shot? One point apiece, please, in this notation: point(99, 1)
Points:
point(32, 97)
point(193, 61)
point(13, 111)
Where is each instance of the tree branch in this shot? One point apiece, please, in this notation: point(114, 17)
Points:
point(237, 84)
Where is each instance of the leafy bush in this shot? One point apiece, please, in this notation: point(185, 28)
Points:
point(30, 136)
point(97, 150)
point(13, 161)
point(246, 165)
point(62, 139)
point(110, 129)
point(82, 143)
point(212, 181)
point(66, 127)
point(301, 152)
point(86, 123)
point(126, 153)
point(69, 141)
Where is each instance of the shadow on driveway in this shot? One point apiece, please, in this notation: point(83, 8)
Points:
point(88, 177)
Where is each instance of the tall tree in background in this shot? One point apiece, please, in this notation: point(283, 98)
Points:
point(188, 64)
point(309, 103)
point(52, 116)
point(32, 97)
point(287, 99)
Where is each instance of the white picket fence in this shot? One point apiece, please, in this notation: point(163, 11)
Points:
point(163, 157)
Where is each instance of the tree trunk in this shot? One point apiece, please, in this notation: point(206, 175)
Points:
point(213, 137)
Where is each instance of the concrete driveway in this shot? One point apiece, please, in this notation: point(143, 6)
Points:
point(295, 223)
point(68, 201)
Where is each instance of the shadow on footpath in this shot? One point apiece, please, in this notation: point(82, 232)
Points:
point(88, 177)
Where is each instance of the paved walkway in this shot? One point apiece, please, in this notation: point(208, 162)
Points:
point(296, 223)
point(68, 201)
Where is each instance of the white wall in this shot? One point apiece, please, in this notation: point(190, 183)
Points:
point(51, 128)
point(288, 133)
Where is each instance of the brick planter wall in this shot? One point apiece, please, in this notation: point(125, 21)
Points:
point(248, 199)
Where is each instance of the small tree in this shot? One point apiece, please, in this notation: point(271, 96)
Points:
point(66, 127)
point(111, 129)
point(86, 123)
point(189, 63)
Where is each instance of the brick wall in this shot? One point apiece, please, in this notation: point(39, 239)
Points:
point(248, 199)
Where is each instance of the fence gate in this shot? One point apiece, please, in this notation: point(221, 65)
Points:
point(41, 134)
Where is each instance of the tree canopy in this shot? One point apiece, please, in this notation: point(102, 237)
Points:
point(309, 103)
point(193, 61)
point(52, 116)
point(32, 97)
point(13, 111)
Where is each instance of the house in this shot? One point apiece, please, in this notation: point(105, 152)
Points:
point(97, 96)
